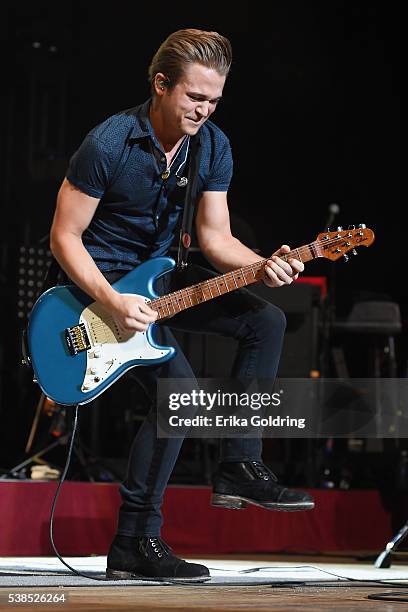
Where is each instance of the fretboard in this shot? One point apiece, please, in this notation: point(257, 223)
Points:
point(172, 303)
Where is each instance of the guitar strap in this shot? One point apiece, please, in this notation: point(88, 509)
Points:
point(189, 202)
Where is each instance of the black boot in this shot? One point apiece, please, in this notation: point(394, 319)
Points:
point(149, 557)
point(236, 485)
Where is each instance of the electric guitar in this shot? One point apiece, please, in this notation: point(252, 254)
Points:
point(77, 350)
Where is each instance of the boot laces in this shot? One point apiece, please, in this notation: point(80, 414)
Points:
point(159, 546)
point(262, 471)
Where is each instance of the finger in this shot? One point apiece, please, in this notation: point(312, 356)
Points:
point(133, 325)
point(141, 327)
point(282, 250)
point(273, 277)
point(144, 307)
point(296, 265)
point(120, 325)
point(142, 317)
point(137, 304)
point(281, 274)
point(283, 265)
point(140, 311)
point(148, 311)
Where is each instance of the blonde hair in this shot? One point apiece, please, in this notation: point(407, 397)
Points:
point(190, 46)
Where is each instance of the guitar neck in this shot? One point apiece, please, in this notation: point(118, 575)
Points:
point(172, 303)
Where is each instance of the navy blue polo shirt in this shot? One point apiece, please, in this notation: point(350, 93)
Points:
point(121, 162)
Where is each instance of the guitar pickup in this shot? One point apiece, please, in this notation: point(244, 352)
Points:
point(77, 339)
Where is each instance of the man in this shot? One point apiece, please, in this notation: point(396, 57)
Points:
point(118, 206)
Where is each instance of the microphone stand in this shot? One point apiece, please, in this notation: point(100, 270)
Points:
point(329, 313)
point(330, 306)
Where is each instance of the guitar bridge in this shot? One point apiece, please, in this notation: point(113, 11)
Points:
point(77, 339)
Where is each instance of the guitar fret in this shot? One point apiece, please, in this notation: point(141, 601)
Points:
point(177, 301)
point(200, 294)
point(199, 297)
point(247, 272)
point(227, 289)
point(191, 296)
point(315, 250)
point(170, 305)
point(209, 288)
point(222, 288)
point(159, 308)
point(206, 291)
point(240, 280)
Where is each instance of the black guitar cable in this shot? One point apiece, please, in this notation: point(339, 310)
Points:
point(54, 503)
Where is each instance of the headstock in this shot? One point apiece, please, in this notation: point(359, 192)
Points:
point(334, 245)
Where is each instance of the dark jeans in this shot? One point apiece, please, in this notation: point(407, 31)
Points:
point(258, 326)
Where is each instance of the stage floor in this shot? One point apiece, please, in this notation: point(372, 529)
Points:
point(282, 584)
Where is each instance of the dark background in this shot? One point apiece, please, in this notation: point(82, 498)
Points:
point(314, 108)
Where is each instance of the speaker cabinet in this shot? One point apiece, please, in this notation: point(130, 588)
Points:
point(301, 305)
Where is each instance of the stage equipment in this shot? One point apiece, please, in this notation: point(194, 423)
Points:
point(33, 263)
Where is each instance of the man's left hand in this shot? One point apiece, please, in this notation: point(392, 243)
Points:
point(279, 272)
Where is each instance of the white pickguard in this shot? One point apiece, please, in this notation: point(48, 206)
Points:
point(110, 348)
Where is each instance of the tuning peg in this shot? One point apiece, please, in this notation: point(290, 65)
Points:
point(339, 228)
point(362, 226)
point(354, 252)
point(351, 227)
point(346, 258)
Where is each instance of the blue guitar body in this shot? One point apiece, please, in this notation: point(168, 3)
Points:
point(75, 347)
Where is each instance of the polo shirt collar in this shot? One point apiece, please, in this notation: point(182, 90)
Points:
point(142, 127)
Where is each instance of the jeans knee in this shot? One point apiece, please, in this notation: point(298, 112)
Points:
point(266, 324)
point(273, 320)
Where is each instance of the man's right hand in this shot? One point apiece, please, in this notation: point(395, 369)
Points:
point(132, 314)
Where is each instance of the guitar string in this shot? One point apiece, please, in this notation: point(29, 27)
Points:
point(173, 300)
point(214, 283)
point(194, 294)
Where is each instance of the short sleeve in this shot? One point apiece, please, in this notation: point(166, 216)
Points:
point(89, 167)
point(220, 175)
